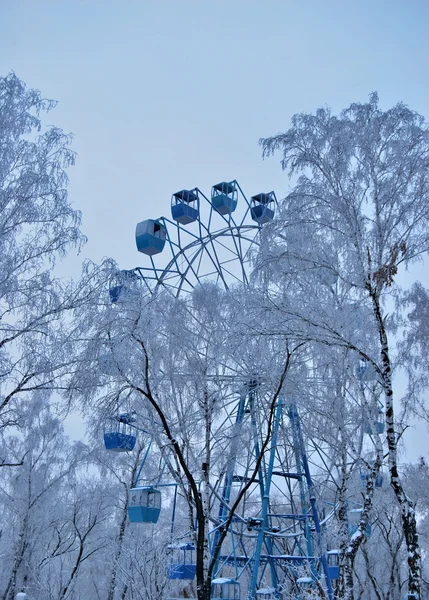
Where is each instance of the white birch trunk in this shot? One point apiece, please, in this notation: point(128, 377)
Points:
point(408, 514)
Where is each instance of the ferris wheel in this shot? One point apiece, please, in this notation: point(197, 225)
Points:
point(204, 240)
point(273, 545)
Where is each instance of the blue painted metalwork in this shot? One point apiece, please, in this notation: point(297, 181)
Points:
point(303, 492)
point(254, 560)
point(353, 527)
point(224, 588)
point(262, 207)
point(144, 504)
point(267, 545)
point(304, 584)
point(353, 518)
point(379, 423)
point(365, 371)
point(194, 251)
point(173, 514)
point(144, 501)
point(225, 197)
point(142, 465)
point(294, 417)
point(183, 565)
point(123, 286)
point(119, 442)
point(265, 503)
point(181, 571)
point(120, 433)
point(334, 563)
point(115, 292)
point(379, 428)
point(150, 236)
point(364, 475)
point(264, 477)
point(228, 478)
point(257, 554)
point(267, 593)
point(185, 206)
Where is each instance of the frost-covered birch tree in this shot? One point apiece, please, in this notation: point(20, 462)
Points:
point(38, 523)
point(38, 225)
point(358, 212)
point(178, 363)
point(415, 349)
point(338, 412)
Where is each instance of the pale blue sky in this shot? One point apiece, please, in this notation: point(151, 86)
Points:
point(170, 94)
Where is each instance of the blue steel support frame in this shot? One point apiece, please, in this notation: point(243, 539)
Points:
point(297, 441)
point(226, 492)
point(142, 465)
point(262, 483)
point(294, 418)
point(173, 514)
point(256, 446)
point(265, 505)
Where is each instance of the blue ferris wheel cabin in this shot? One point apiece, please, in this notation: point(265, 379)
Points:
point(225, 197)
point(262, 207)
point(224, 588)
point(185, 206)
point(150, 236)
point(144, 504)
point(120, 434)
point(183, 565)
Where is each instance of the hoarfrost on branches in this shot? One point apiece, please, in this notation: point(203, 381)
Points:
point(362, 195)
point(37, 225)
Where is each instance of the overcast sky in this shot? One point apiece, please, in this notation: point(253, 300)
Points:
point(169, 94)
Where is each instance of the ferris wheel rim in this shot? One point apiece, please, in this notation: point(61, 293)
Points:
point(237, 232)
